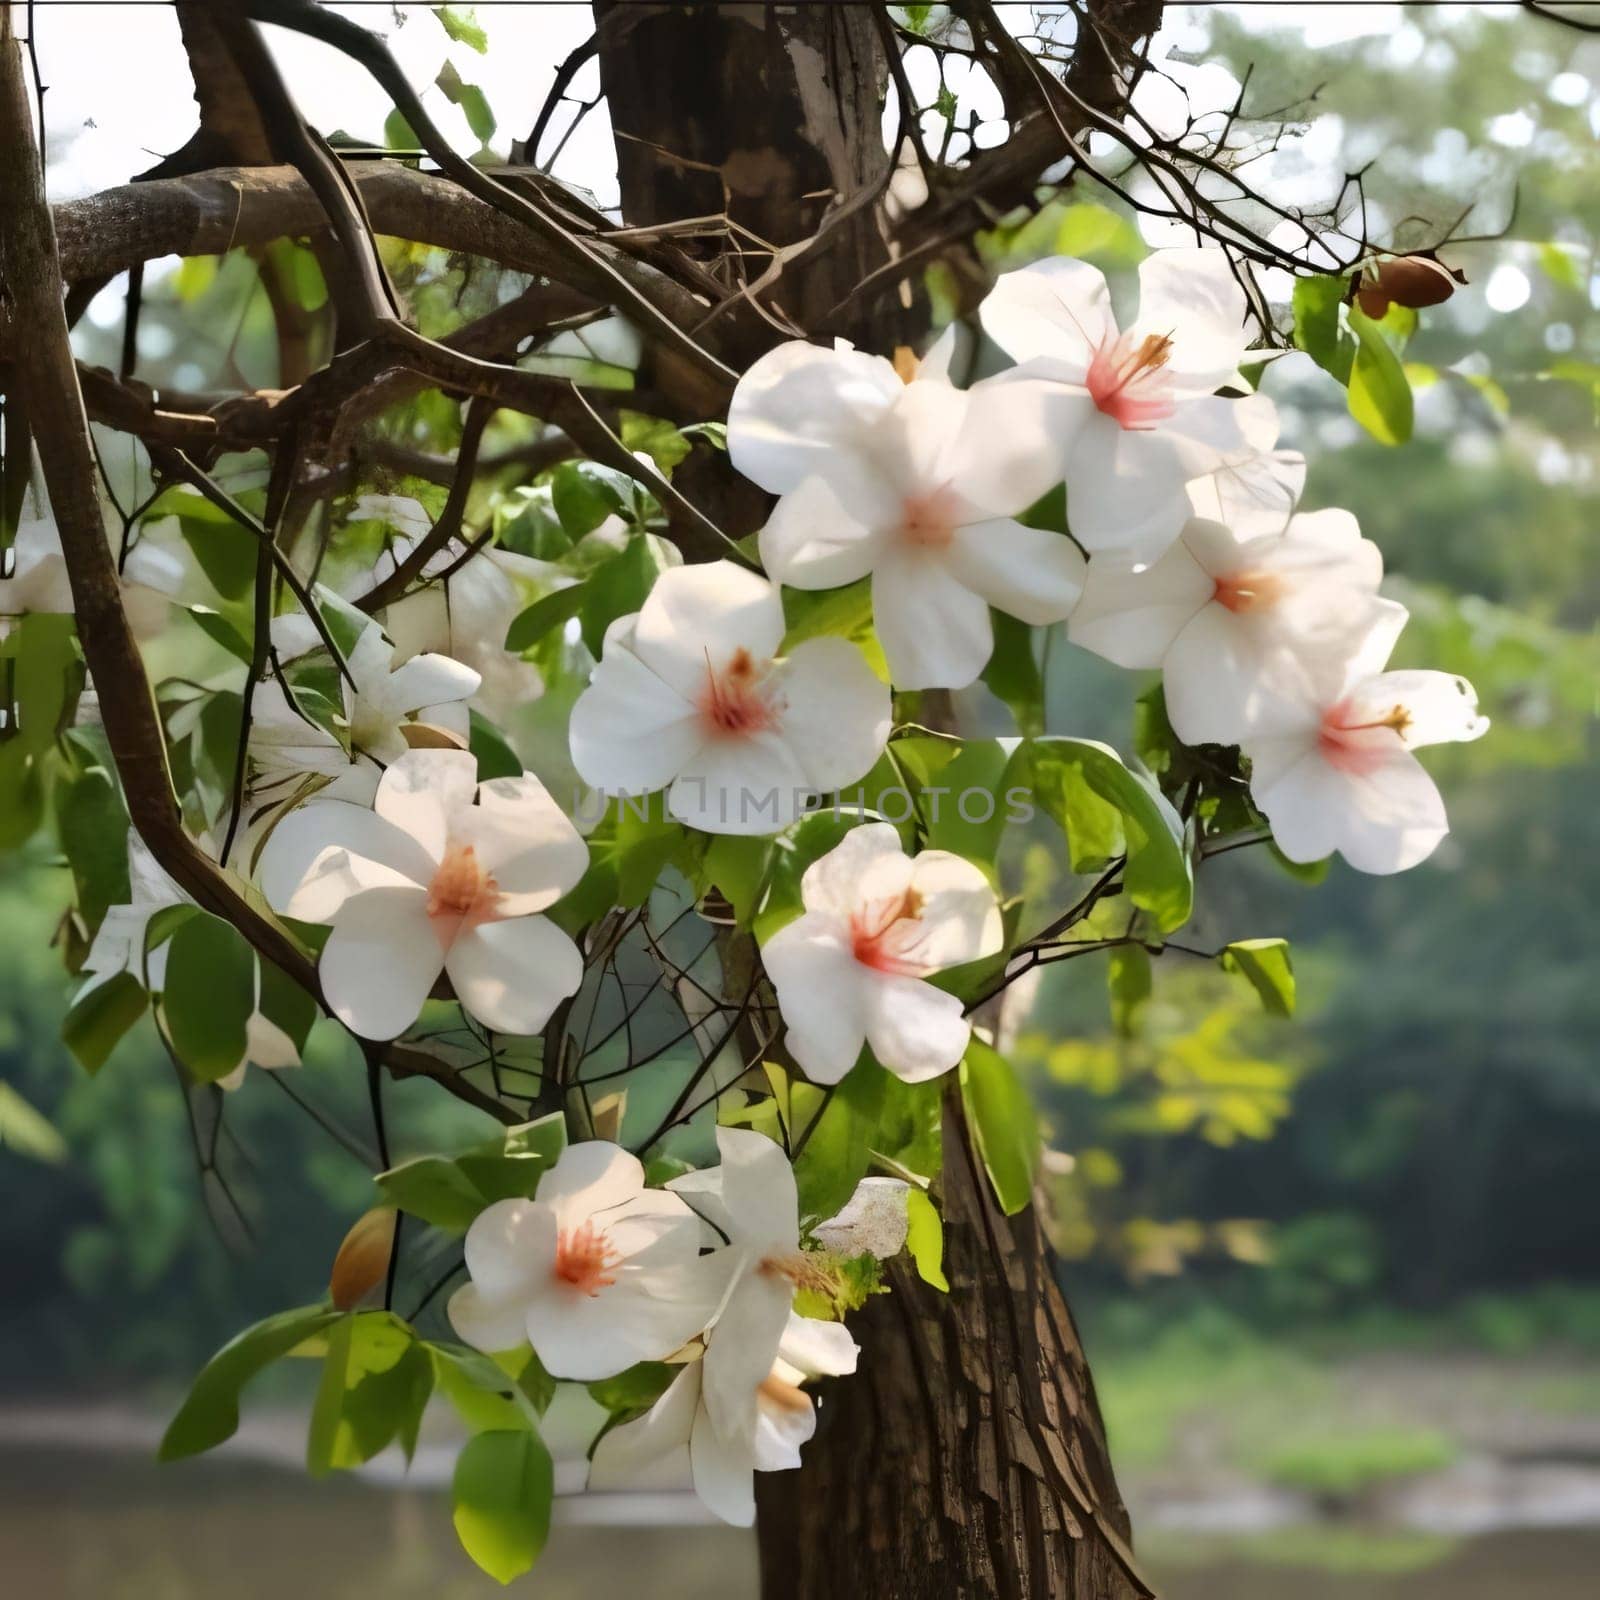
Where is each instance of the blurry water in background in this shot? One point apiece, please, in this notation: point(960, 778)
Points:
point(1416, 1362)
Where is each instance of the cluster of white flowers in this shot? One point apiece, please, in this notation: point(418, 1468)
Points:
point(598, 1273)
point(1186, 554)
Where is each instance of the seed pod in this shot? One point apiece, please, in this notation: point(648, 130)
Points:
point(1412, 281)
point(362, 1261)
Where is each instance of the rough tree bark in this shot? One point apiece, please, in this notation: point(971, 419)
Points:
point(966, 1458)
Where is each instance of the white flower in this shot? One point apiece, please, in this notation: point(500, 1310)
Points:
point(1221, 616)
point(688, 692)
point(466, 616)
point(1138, 414)
point(677, 1438)
point(1331, 760)
point(917, 483)
point(849, 971)
point(596, 1272)
point(427, 688)
point(739, 1410)
point(152, 574)
point(406, 515)
point(1253, 494)
point(119, 946)
point(429, 882)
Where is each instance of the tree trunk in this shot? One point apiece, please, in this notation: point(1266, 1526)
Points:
point(966, 1457)
point(764, 115)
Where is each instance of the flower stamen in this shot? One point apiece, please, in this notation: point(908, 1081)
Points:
point(734, 703)
point(1127, 381)
point(461, 895)
point(586, 1259)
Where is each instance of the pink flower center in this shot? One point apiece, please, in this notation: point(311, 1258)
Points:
point(1244, 592)
point(461, 896)
point(1361, 747)
point(586, 1259)
point(928, 521)
point(734, 702)
point(885, 935)
point(1128, 382)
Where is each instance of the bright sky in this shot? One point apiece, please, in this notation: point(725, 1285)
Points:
point(119, 91)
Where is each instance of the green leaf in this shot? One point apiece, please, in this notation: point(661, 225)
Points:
point(461, 23)
point(1380, 396)
point(496, 758)
point(548, 613)
point(1316, 324)
point(208, 995)
point(1012, 675)
point(581, 499)
point(99, 1018)
point(738, 867)
point(398, 134)
point(375, 1382)
point(21, 793)
point(26, 1132)
point(838, 1129)
point(474, 105)
point(1003, 1122)
point(1560, 264)
point(46, 675)
point(925, 1238)
point(636, 1389)
point(1096, 799)
point(93, 827)
point(225, 550)
point(221, 630)
point(501, 1491)
point(616, 588)
point(1266, 964)
point(450, 1192)
point(1128, 984)
point(284, 1003)
point(211, 1412)
point(656, 437)
point(965, 811)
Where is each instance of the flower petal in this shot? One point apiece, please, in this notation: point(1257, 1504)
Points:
point(380, 961)
point(631, 733)
point(525, 841)
point(427, 680)
point(752, 784)
point(512, 975)
point(960, 913)
point(741, 1350)
point(821, 994)
point(591, 1176)
point(827, 531)
point(1126, 489)
point(1193, 297)
point(832, 883)
point(696, 618)
point(1440, 707)
point(801, 403)
point(836, 712)
point(423, 791)
point(652, 1449)
point(758, 1189)
point(935, 632)
point(820, 1349)
point(1383, 820)
point(1029, 573)
point(378, 853)
point(724, 1472)
point(487, 1324)
point(1059, 309)
point(1131, 613)
point(916, 1031)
